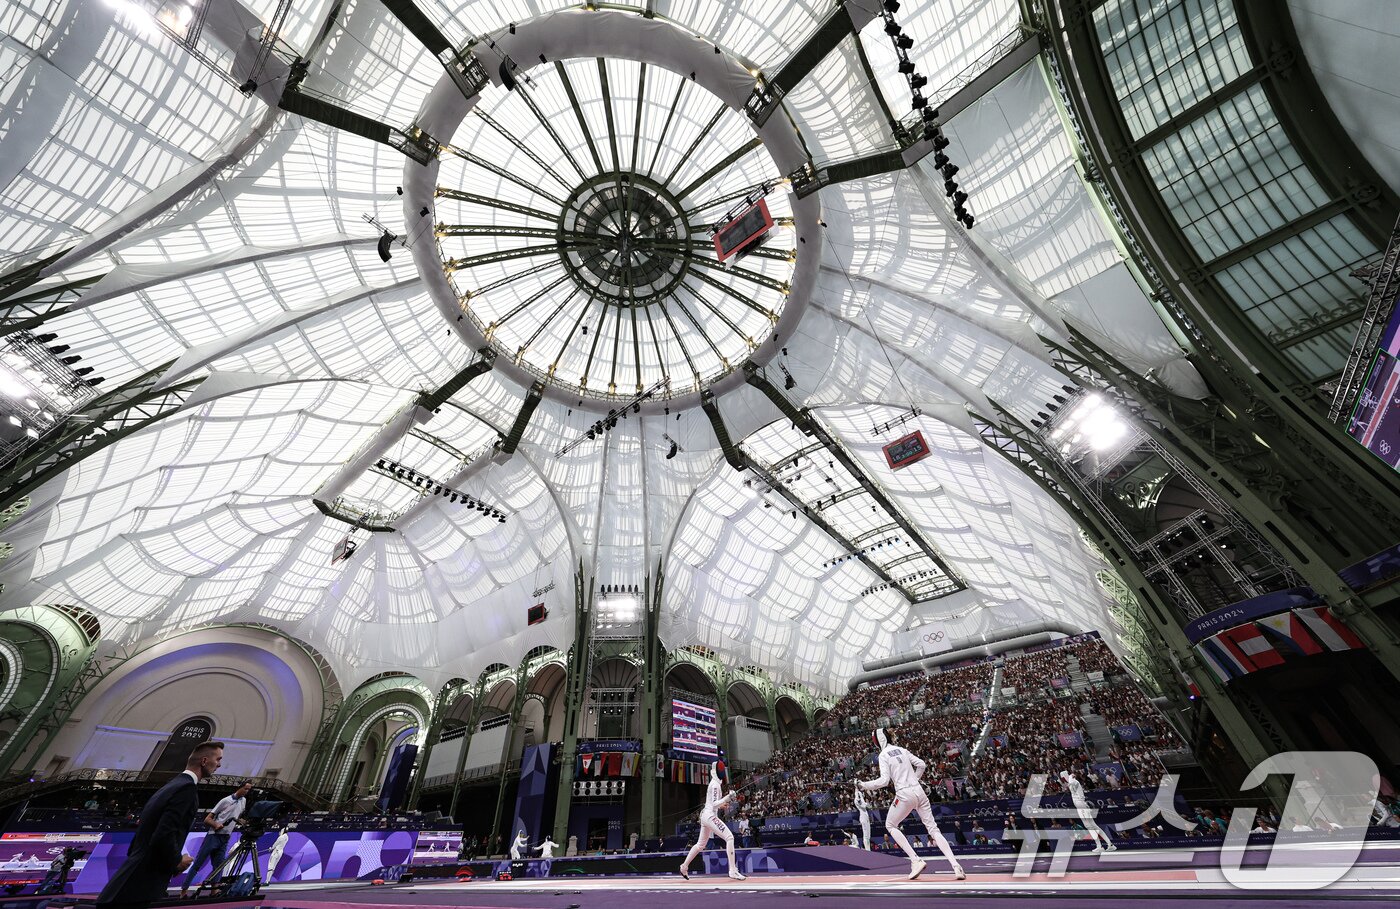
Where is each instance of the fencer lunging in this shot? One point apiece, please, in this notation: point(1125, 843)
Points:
point(863, 807)
point(905, 770)
point(711, 825)
point(1086, 814)
point(546, 849)
point(517, 848)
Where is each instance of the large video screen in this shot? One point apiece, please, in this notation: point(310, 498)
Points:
point(1375, 422)
point(693, 729)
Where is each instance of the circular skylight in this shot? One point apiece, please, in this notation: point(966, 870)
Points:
point(575, 219)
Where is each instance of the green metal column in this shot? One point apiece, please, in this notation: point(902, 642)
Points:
point(653, 694)
point(1262, 497)
point(516, 707)
point(473, 719)
point(430, 736)
point(575, 688)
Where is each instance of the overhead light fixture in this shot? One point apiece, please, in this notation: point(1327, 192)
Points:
point(385, 240)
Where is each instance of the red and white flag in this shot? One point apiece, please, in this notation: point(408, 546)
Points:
point(1329, 629)
point(1248, 644)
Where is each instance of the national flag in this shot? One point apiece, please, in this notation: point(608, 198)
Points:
point(629, 763)
point(615, 764)
point(1249, 643)
point(1289, 630)
point(1221, 661)
point(1329, 629)
point(587, 762)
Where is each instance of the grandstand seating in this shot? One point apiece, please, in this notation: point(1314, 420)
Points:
point(979, 743)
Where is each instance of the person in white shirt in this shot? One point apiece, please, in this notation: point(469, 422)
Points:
point(1086, 814)
point(711, 825)
point(220, 822)
point(546, 849)
point(517, 848)
point(863, 807)
point(904, 771)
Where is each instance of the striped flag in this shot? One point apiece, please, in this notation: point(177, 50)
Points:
point(1329, 629)
point(1220, 661)
point(1290, 631)
point(1249, 644)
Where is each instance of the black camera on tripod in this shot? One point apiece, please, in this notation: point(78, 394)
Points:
point(261, 815)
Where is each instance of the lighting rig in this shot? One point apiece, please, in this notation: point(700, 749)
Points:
point(880, 429)
point(395, 470)
point(932, 130)
point(632, 405)
point(863, 551)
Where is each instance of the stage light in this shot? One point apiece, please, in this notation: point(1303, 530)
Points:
point(891, 6)
point(82, 371)
point(949, 171)
point(969, 221)
point(918, 101)
point(383, 246)
point(904, 42)
point(45, 338)
point(672, 453)
point(891, 27)
point(949, 187)
point(906, 67)
point(58, 349)
point(789, 383)
point(940, 141)
point(918, 81)
point(959, 197)
point(939, 159)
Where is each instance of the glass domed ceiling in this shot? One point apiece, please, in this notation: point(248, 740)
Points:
point(574, 220)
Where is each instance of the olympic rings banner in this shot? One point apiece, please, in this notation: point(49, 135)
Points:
point(926, 639)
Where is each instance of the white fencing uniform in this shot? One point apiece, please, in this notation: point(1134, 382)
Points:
point(1086, 813)
point(904, 771)
point(711, 825)
point(275, 855)
point(546, 849)
point(863, 807)
point(517, 848)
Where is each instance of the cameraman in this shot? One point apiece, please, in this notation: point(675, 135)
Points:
point(215, 844)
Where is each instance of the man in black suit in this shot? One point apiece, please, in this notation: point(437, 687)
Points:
point(157, 854)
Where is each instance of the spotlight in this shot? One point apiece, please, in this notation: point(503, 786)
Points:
point(45, 338)
point(939, 159)
point(672, 453)
point(423, 212)
point(959, 197)
point(906, 67)
point(789, 383)
point(891, 6)
point(58, 349)
point(918, 81)
point(904, 42)
point(891, 27)
point(69, 361)
point(384, 242)
point(918, 101)
point(949, 171)
point(949, 187)
point(940, 141)
point(83, 370)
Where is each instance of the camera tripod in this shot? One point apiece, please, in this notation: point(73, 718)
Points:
point(225, 880)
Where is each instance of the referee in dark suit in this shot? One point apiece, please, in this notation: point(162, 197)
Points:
point(157, 850)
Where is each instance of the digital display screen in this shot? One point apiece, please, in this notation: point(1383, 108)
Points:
point(693, 729)
point(905, 451)
point(1375, 422)
point(743, 230)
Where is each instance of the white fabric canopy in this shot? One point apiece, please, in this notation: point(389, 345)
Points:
point(264, 279)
